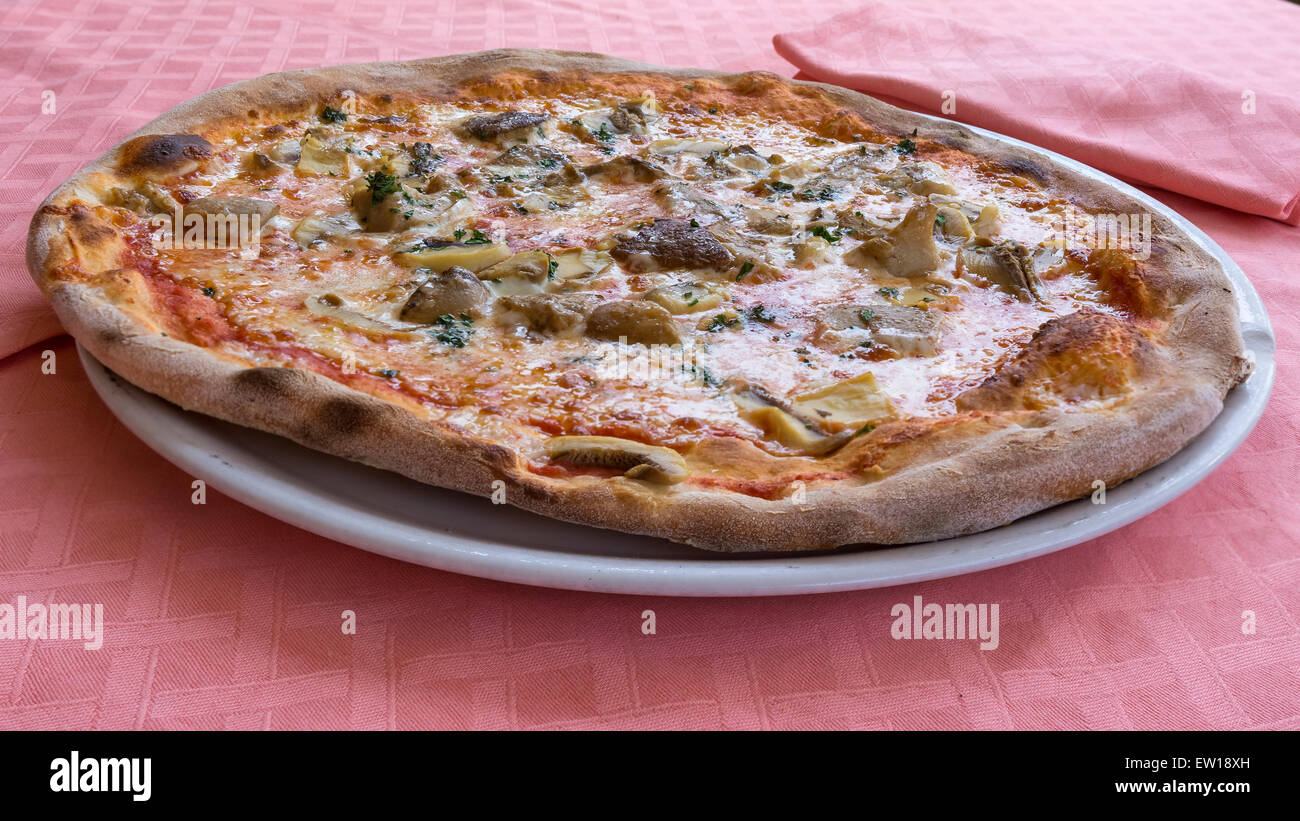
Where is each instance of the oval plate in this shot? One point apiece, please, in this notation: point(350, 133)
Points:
point(398, 517)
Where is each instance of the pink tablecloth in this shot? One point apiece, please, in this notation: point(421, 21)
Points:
point(217, 616)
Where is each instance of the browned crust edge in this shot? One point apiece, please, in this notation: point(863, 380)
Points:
point(981, 477)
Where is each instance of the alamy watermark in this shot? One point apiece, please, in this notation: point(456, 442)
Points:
point(35, 621)
point(946, 621)
point(1076, 229)
point(207, 231)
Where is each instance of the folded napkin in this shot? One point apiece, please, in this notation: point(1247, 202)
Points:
point(1149, 121)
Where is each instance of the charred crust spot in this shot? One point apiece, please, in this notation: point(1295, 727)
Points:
point(1139, 289)
point(1024, 167)
point(89, 230)
point(163, 155)
point(1082, 355)
point(342, 416)
point(268, 384)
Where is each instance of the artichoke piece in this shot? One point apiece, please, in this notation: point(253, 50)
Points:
point(1008, 265)
point(922, 179)
point(441, 255)
point(848, 404)
point(523, 273)
point(317, 227)
point(669, 147)
point(686, 298)
point(638, 322)
point(320, 160)
point(577, 262)
point(453, 292)
point(908, 249)
point(488, 126)
point(953, 223)
point(648, 463)
point(780, 421)
point(530, 265)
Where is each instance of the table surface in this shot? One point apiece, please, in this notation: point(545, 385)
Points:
point(219, 617)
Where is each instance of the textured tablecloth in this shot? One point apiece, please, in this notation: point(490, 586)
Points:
point(219, 617)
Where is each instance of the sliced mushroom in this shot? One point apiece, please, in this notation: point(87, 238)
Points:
point(1007, 265)
point(767, 221)
point(454, 291)
point(648, 463)
point(489, 126)
point(544, 313)
point(908, 331)
point(227, 206)
point(638, 322)
point(671, 243)
point(626, 169)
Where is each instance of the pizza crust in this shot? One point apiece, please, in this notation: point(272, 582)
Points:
point(978, 471)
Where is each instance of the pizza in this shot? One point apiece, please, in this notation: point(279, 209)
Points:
point(738, 311)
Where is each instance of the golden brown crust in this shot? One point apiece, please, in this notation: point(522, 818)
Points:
point(918, 480)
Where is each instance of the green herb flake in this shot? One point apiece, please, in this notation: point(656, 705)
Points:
point(381, 186)
point(744, 269)
point(333, 115)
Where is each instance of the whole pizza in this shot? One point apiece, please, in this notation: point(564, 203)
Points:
point(732, 310)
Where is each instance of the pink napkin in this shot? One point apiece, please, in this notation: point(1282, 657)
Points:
point(1152, 121)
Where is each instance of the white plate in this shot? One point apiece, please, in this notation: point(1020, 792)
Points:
point(394, 516)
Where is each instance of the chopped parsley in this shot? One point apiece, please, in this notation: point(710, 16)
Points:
point(458, 233)
point(892, 293)
point(906, 145)
point(865, 315)
point(777, 185)
point(457, 194)
point(381, 186)
point(478, 238)
point(209, 291)
point(823, 232)
point(722, 321)
point(333, 115)
point(867, 428)
point(939, 220)
point(760, 314)
point(826, 194)
point(389, 373)
point(453, 331)
point(603, 133)
point(744, 269)
point(551, 265)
